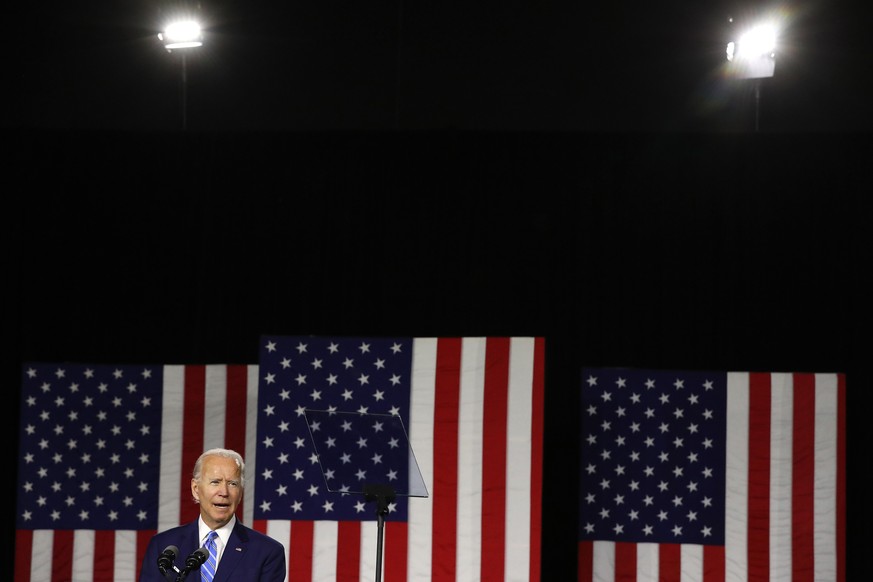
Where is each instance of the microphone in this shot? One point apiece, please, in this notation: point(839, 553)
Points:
point(166, 559)
point(196, 559)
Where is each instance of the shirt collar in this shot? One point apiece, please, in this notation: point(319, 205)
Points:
point(223, 532)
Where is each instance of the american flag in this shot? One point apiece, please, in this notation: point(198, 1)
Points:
point(106, 453)
point(473, 408)
point(711, 476)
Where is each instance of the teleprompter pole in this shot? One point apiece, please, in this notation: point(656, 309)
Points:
point(382, 495)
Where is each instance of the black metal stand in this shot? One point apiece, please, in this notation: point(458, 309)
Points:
point(183, 574)
point(382, 495)
point(757, 103)
point(164, 569)
point(192, 563)
point(184, 92)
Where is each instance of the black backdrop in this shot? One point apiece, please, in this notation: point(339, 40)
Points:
point(729, 252)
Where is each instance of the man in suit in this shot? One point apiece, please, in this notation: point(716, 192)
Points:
point(241, 553)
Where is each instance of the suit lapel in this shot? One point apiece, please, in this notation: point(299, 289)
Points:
point(191, 538)
point(190, 541)
point(237, 546)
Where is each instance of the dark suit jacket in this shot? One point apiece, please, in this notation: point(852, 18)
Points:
point(250, 556)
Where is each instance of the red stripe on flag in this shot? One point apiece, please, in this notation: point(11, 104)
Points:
point(841, 478)
point(494, 424)
point(759, 477)
point(192, 437)
point(300, 552)
point(670, 562)
point(536, 478)
point(585, 561)
point(625, 562)
point(62, 555)
point(348, 555)
point(396, 559)
point(803, 479)
point(23, 553)
point(235, 415)
point(713, 564)
point(104, 555)
point(445, 456)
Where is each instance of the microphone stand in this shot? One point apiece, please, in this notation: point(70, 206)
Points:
point(180, 574)
point(193, 562)
point(382, 495)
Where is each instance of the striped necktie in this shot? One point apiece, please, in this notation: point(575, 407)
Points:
point(207, 570)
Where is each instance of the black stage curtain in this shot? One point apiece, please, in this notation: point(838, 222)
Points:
point(730, 251)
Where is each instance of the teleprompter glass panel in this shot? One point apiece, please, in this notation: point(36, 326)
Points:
point(362, 452)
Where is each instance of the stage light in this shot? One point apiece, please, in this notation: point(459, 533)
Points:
point(181, 35)
point(753, 54)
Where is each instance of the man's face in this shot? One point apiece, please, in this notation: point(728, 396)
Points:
point(219, 490)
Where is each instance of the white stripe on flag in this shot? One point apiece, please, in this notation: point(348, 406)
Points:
point(781, 454)
point(41, 564)
point(325, 540)
point(518, 458)
point(470, 421)
point(251, 445)
point(369, 538)
point(736, 477)
point(171, 446)
point(83, 554)
point(692, 563)
point(215, 407)
point(647, 562)
point(604, 561)
point(420, 520)
point(280, 530)
point(825, 511)
point(126, 566)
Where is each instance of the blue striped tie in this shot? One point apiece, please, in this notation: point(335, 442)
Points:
point(207, 570)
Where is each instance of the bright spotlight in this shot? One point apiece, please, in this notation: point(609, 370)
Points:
point(180, 35)
point(761, 40)
point(753, 54)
